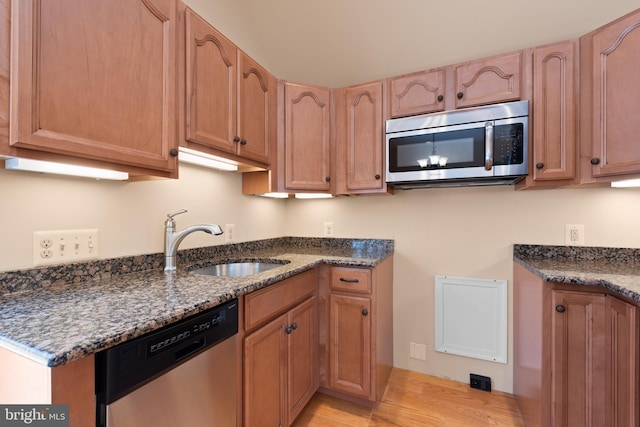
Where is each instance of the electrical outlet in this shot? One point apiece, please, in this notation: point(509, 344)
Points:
point(328, 229)
point(574, 234)
point(480, 382)
point(60, 246)
point(417, 351)
point(229, 233)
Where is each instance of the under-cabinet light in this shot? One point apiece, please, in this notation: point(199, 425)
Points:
point(276, 195)
point(313, 196)
point(626, 183)
point(15, 163)
point(199, 158)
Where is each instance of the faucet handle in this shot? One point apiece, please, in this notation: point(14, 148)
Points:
point(171, 215)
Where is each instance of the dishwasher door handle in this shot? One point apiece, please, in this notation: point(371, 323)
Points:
point(190, 349)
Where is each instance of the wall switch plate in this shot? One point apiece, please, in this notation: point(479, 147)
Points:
point(62, 246)
point(417, 351)
point(574, 234)
point(328, 229)
point(229, 233)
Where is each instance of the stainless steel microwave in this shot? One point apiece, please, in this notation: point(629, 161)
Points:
point(476, 146)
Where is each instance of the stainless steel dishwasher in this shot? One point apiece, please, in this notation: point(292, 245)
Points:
point(182, 375)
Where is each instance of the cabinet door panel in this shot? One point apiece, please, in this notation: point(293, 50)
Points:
point(622, 354)
point(554, 112)
point(417, 93)
point(616, 98)
point(303, 356)
point(210, 86)
point(578, 362)
point(365, 137)
point(350, 344)
point(307, 138)
point(256, 105)
point(265, 353)
point(85, 90)
point(495, 79)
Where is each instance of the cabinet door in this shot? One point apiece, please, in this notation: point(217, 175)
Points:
point(303, 356)
point(417, 93)
point(364, 138)
point(616, 98)
point(307, 137)
point(554, 112)
point(577, 359)
point(495, 79)
point(96, 80)
point(210, 86)
point(622, 355)
point(265, 365)
point(257, 103)
point(350, 344)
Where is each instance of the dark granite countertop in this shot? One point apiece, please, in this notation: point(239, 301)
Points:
point(616, 269)
point(58, 314)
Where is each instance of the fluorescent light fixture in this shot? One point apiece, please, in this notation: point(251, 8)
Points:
point(15, 163)
point(626, 183)
point(313, 196)
point(276, 195)
point(187, 155)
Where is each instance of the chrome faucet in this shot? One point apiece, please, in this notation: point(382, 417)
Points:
point(172, 238)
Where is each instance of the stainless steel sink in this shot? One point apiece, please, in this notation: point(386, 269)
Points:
point(237, 269)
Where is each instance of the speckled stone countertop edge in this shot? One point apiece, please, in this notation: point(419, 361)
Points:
point(614, 269)
point(58, 336)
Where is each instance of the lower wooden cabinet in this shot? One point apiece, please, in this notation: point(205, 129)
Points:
point(280, 361)
point(576, 354)
point(356, 331)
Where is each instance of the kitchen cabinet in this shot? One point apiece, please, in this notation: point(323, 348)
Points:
point(356, 338)
point(575, 354)
point(554, 116)
point(500, 78)
point(280, 351)
point(306, 137)
point(230, 101)
point(80, 90)
point(610, 95)
point(360, 140)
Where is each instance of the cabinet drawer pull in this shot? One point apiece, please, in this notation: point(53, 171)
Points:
point(288, 330)
point(173, 152)
point(365, 312)
point(539, 165)
point(440, 98)
point(236, 138)
point(595, 161)
point(560, 308)
point(294, 326)
point(342, 279)
point(460, 95)
point(377, 176)
point(243, 141)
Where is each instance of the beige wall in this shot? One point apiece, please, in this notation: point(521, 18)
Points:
point(466, 232)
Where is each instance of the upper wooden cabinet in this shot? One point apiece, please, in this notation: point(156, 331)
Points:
point(610, 94)
point(554, 116)
point(95, 80)
point(306, 137)
point(469, 84)
point(360, 139)
point(230, 100)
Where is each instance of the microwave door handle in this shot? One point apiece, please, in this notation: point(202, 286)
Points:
point(488, 145)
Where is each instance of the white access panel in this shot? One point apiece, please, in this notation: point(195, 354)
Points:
point(471, 317)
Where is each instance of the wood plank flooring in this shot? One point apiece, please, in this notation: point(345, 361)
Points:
point(414, 399)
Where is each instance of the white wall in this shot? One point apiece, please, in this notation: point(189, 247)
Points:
point(465, 232)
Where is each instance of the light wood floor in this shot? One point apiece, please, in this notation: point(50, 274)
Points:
point(414, 399)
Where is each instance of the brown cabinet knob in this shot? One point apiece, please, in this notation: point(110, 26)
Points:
point(440, 98)
point(365, 312)
point(595, 161)
point(377, 176)
point(236, 138)
point(173, 152)
point(539, 165)
point(243, 141)
point(460, 95)
point(327, 178)
point(560, 308)
point(288, 330)
point(294, 326)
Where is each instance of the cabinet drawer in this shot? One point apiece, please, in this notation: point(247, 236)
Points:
point(266, 303)
point(356, 280)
